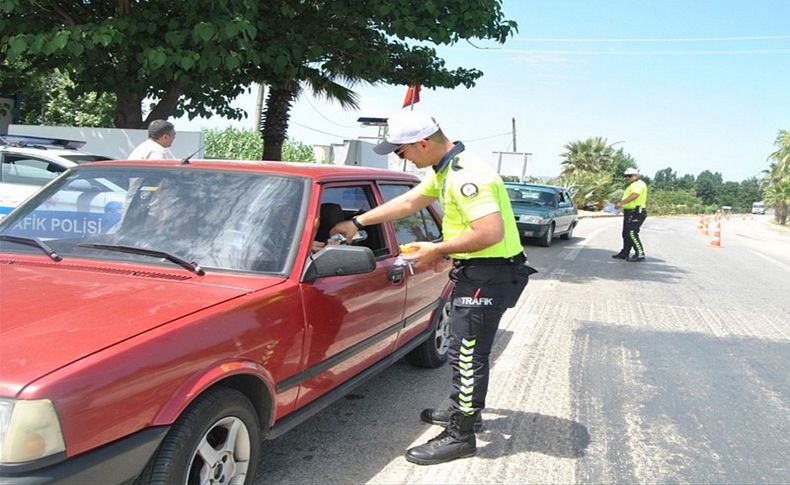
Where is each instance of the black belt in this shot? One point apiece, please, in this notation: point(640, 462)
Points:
point(635, 209)
point(519, 258)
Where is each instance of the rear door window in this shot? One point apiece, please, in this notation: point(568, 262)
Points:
point(420, 226)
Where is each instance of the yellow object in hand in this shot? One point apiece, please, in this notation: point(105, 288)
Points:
point(406, 249)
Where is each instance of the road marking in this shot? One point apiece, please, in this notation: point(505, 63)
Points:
point(574, 252)
point(772, 260)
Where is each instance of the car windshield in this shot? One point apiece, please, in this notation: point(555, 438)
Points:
point(523, 194)
point(227, 220)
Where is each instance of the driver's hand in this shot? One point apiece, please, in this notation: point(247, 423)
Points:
point(316, 246)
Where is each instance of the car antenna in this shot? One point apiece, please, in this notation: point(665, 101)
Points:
point(185, 160)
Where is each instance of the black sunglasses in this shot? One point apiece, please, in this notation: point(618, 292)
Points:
point(399, 151)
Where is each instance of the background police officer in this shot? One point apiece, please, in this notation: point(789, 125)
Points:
point(479, 233)
point(634, 214)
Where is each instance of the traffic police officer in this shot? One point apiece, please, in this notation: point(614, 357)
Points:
point(489, 270)
point(634, 214)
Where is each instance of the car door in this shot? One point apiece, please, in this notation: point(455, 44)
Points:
point(352, 321)
point(423, 286)
point(563, 216)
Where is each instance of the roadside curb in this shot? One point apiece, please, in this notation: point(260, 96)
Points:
point(595, 215)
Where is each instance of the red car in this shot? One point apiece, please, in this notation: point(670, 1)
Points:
point(159, 319)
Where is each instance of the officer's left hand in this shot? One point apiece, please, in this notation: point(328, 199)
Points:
point(422, 254)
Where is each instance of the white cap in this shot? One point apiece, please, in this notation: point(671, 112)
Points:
point(631, 171)
point(406, 127)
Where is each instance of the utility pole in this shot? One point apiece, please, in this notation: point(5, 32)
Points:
point(514, 134)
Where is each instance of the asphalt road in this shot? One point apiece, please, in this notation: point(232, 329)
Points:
point(671, 370)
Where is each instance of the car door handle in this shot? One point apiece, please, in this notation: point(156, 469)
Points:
point(395, 275)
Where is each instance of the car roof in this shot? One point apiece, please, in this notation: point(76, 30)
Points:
point(317, 171)
point(52, 154)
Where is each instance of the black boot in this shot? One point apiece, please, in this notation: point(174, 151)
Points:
point(456, 441)
point(442, 418)
point(620, 255)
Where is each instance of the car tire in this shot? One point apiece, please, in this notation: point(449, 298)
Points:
point(433, 352)
point(569, 234)
point(204, 429)
point(547, 238)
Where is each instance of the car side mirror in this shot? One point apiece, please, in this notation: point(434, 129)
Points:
point(339, 260)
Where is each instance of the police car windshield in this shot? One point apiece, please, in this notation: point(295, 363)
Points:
point(220, 219)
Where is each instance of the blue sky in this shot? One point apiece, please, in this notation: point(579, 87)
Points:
point(692, 85)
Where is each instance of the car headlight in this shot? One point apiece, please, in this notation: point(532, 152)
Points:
point(533, 219)
point(29, 430)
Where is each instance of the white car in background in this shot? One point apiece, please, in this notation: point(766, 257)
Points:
point(30, 162)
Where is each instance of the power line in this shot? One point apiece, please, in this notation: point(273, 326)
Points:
point(487, 137)
point(324, 117)
point(655, 39)
point(319, 131)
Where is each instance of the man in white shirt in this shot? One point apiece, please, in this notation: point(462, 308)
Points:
point(161, 134)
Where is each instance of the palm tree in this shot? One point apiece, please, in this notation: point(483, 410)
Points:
point(591, 155)
point(776, 184)
point(282, 96)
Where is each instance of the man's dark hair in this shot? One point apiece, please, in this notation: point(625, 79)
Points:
point(158, 128)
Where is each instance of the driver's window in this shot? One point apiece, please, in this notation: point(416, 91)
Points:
point(343, 203)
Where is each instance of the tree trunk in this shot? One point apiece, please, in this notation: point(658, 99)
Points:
point(129, 110)
point(166, 106)
point(275, 125)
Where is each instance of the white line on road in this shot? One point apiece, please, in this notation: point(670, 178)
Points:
point(574, 252)
point(772, 260)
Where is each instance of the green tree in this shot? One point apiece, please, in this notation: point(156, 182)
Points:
point(707, 187)
point(194, 57)
point(672, 202)
point(686, 182)
point(748, 193)
point(665, 179)
point(590, 155)
point(593, 171)
point(776, 183)
point(236, 144)
point(51, 98)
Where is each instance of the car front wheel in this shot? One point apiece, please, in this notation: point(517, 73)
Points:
point(547, 238)
point(433, 352)
point(569, 234)
point(216, 440)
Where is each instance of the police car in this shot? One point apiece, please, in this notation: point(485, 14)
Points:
point(30, 162)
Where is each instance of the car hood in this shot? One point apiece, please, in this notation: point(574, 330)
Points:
point(52, 316)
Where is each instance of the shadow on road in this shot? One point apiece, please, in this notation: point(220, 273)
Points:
point(597, 264)
point(357, 437)
point(509, 432)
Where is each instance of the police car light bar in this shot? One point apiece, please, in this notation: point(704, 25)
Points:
point(40, 141)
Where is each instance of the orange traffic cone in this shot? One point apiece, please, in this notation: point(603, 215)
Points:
point(716, 241)
point(700, 223)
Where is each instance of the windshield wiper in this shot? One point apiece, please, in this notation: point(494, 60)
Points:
point(194, 267)
point(32, 241)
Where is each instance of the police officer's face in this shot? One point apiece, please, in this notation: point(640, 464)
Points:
point(418, 153)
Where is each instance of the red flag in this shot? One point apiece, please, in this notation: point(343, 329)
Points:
point(412, 95)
